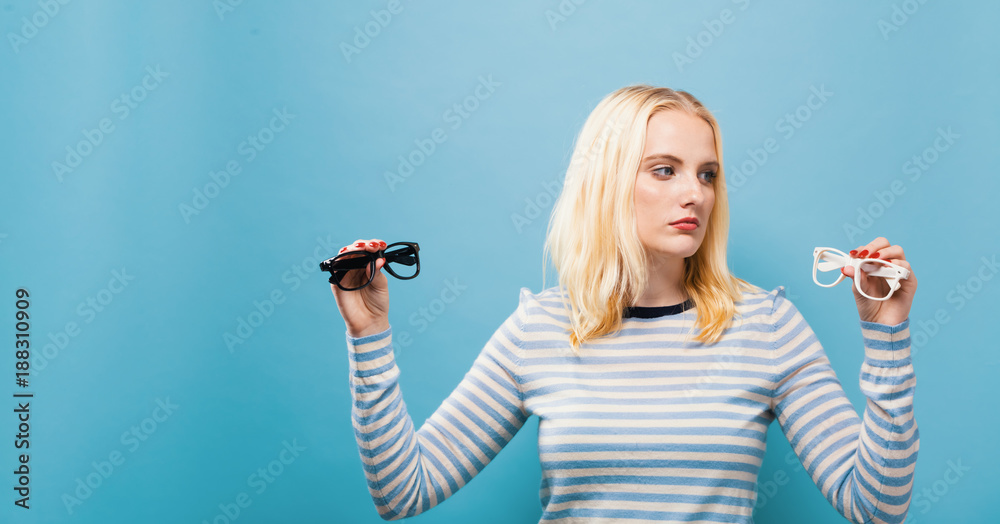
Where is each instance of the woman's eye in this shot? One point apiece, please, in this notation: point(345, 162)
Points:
point(667, 170)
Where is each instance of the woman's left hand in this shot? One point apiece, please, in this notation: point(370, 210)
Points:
point(897, 308)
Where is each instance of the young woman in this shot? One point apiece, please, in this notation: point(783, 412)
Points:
point(654, 372)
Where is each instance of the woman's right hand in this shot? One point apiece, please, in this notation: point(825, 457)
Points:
point(366, 310)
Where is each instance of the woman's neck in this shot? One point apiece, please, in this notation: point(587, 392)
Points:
point(664, 285)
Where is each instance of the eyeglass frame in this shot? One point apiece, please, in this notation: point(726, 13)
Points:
point(372, 256)
point(893, 273)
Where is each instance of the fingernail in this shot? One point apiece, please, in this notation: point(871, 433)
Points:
point(854, 252)
point(343, 249)
point(382, 244)
point(874, 255)
point(373, 244)
point(359, 244)
point(863, 253)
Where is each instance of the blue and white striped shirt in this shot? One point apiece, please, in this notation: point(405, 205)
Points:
point(648, 425)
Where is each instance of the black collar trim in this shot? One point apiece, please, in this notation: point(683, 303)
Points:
point(657, 311)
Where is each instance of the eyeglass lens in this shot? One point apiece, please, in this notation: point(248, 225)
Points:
point(828, 270)
point(876, 287)
point(402, 260)
point(346, 269)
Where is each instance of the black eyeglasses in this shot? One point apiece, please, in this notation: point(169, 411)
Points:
point(401, 261)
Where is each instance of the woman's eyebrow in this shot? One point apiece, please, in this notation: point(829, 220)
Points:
point(672, 158)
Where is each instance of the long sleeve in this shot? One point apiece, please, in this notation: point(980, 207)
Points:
point(411, 471)
point(864, 467)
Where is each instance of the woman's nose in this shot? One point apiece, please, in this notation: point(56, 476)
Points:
point(691, 190)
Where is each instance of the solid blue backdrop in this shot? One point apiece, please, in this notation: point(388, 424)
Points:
point(174, 172)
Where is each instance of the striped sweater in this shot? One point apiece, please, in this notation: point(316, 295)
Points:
point(647, 424)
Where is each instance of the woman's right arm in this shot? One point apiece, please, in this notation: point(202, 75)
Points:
point(412, 471)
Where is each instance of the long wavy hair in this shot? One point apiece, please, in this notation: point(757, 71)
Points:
point(592, 233)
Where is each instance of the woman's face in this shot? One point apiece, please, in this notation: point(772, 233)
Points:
point(674, 182)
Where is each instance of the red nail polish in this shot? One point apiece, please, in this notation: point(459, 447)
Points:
point(343, 249)
point(863, 253)
point(359, 244)
point(382, 244)
point(373, 244)
point(875, 255)
point(854, 252)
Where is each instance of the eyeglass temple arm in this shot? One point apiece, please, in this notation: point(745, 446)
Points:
point(829, 261)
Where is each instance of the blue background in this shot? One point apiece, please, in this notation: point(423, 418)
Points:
point(320, 183)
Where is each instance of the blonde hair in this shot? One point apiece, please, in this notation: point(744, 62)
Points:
point(592, 232)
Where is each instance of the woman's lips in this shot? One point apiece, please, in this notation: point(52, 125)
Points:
point(686, 226)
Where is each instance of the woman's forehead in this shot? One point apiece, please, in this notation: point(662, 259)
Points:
point(685, 137)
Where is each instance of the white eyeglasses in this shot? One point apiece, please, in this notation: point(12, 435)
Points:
point(828, 259)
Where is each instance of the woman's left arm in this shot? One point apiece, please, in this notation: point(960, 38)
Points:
point(864, 467)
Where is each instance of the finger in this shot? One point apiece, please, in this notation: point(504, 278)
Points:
point(374, 244)
point(887, 253)
point(378, 244)
point(357, 245)
point(355, 276)
point(873, 246)
point(901, 262)
point(863, 251)
point(377, 283)
point(849, 272)
point(904, 264)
